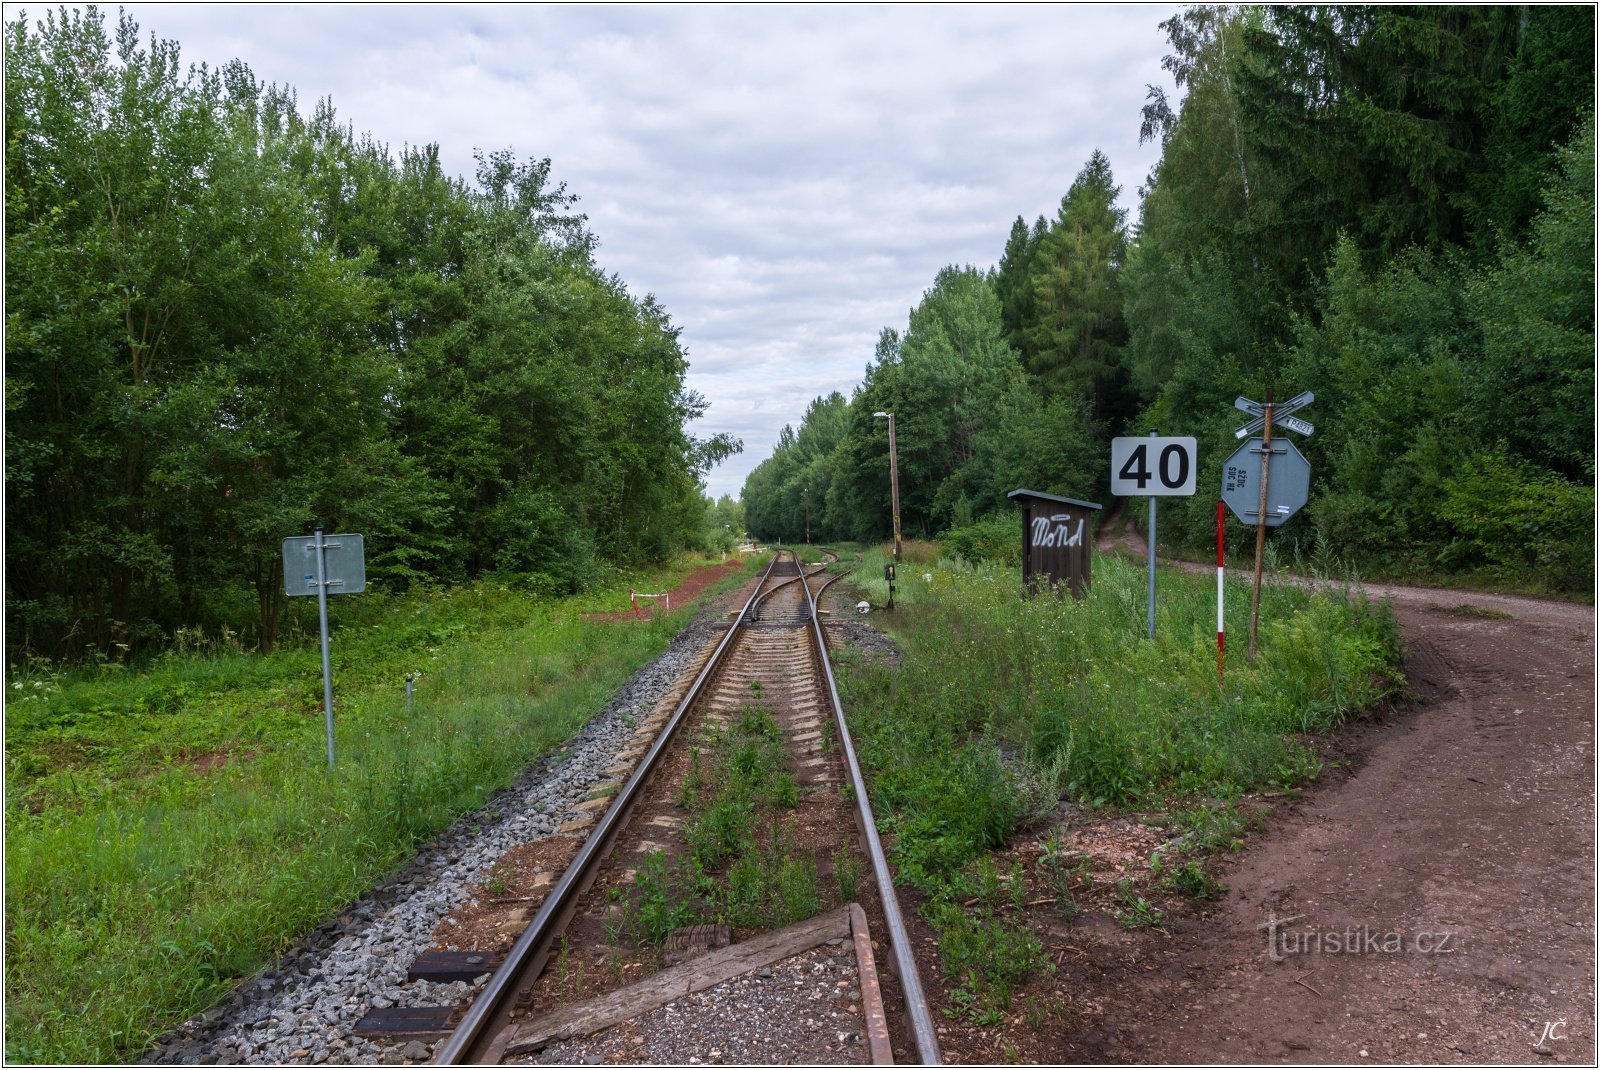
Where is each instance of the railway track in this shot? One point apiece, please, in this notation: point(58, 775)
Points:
point(767, 681)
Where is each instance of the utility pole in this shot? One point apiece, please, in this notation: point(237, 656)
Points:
point(808, 514)
point(894, 493)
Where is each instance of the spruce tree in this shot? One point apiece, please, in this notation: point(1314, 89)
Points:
point(1077, 334)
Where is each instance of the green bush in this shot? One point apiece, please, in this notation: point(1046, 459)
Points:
point(737, 787)
point(664, 897)
point(1524, 521)
point(996, 537)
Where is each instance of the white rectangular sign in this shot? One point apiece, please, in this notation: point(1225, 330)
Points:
point(1153, 466)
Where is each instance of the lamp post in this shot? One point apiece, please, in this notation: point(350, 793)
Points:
point(807, 491)
point(894, 493)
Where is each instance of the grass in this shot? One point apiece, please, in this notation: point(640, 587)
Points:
point(846, 875)
point(1135, 911)
point(810, 553)
point(1002, 706)
point(170, 828)
point(1061, 697)
point(1065, 874)
point(984, 952)
point(1209, 829)
point(741, 867)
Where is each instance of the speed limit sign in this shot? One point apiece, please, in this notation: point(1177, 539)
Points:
point(1152, 466)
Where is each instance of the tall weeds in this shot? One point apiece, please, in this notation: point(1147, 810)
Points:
point(168, 830)
point(1002, 704)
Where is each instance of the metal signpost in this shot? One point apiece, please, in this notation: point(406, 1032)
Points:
point(1154, 467)
point(322, 564)
point(1253, 496)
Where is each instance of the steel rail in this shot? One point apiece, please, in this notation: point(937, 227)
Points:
point(469, 1043)
point(899, 940)
point(774, 589)
point(835, 578)
point(800, 573)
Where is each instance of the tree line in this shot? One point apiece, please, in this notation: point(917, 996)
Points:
point(1392, 207)
point(227, 321)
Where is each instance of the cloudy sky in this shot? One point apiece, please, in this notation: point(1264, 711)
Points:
point(786, 180)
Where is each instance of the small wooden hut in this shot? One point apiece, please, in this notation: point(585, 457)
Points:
point(1055, 541)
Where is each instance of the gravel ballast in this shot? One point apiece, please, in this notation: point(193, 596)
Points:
point(803, 1011)
point(304, 1009)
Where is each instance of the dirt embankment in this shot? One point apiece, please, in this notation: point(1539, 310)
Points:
point(686, 592)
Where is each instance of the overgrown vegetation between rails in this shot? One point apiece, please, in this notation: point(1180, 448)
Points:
point(741, 867)
point(168, 830)
point(1002, 706)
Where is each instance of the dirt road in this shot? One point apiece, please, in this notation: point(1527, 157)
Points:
point(1434, 904)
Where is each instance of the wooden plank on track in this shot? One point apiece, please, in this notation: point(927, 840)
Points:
point(882, 1052)
point(658, 990)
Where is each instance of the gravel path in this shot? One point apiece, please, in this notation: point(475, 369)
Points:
point(304, 1009)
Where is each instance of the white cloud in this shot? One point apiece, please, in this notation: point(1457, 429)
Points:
point(785, 180)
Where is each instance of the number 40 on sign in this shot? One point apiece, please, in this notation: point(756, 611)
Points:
point(1152, 467)
point(1155, 465)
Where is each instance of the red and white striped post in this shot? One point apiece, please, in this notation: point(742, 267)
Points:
point(635, 600)
point(1222, 565)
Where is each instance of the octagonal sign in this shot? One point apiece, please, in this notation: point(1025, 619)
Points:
point(1288, 481)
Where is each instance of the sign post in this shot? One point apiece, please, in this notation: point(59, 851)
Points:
point(1261, 522)
point(338, 561)
point(894, 495)
point(1270, 510)
point(1155, 467)
point(1150, 580)
point(322, 617)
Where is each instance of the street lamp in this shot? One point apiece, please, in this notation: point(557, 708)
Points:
point(894, 492)
point(894, 483)
point(807, 491)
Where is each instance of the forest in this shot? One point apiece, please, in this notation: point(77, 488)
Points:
point(228, 320)
point(1392, 207)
